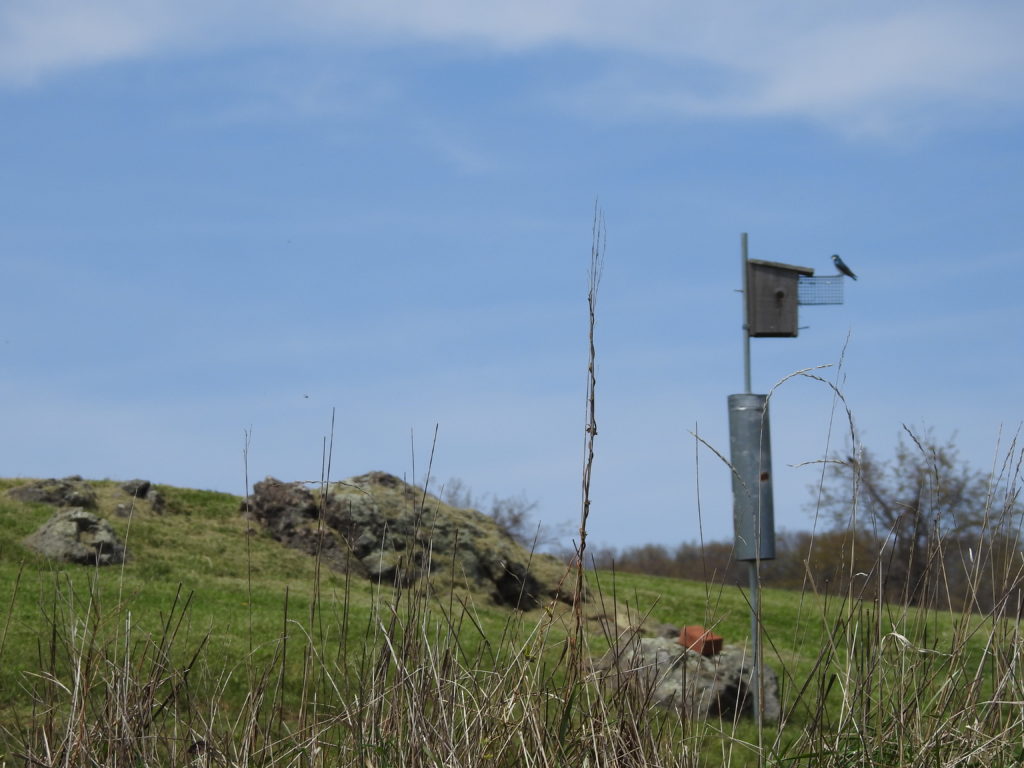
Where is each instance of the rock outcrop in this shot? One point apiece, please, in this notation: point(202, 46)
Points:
point(67, 492)
point(77, 535)
point(392, 532)
point(702, 686)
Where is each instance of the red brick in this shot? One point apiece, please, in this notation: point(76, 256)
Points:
point(698, 639)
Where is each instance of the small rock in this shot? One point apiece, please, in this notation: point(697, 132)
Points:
point(137, 488)
point(157, 501)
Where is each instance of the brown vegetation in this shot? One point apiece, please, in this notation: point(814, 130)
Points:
point(923, 529)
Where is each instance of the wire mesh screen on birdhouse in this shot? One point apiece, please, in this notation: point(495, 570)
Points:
point(819, 290)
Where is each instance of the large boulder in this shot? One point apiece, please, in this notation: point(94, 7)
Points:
point(67, 492)
point(701, 686)
point(391, 531)
point(77, 536)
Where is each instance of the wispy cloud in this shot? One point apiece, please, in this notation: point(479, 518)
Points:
point(860, 65)
point(40, 39)
point(863, 73)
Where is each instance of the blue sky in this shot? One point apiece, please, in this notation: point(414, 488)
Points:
point(220, 219)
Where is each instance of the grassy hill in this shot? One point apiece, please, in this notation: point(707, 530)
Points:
point(214, 634)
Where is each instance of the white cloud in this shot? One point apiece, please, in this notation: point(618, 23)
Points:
point(874, 64)
point(864, 73)
point(858, 63)
point(37, 39)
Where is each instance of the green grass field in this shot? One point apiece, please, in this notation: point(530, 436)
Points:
point(212, 630)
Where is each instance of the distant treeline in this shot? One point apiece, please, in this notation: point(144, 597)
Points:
point(974, 573)
point(922, 528)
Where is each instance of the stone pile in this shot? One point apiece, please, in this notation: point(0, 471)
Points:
point(713, 685)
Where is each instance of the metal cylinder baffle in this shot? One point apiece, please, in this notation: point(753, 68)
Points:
point(750, 446)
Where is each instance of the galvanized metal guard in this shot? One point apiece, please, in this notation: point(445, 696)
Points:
point(753, 511)
point(751, 453)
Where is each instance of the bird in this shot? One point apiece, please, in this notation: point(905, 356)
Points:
point(841, 266)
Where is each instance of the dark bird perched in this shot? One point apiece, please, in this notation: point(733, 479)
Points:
point(841, 266)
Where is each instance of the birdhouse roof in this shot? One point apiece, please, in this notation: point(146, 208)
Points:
point(788, 267)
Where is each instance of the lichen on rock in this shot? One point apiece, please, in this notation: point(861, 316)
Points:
point(390, 531)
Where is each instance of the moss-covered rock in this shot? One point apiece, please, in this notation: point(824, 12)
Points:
point(390, 531)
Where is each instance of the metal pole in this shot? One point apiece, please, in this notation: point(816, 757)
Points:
point(746, 326)
point(755, 644)
point(755, 588)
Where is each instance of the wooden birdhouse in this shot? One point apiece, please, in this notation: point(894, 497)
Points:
point(772, 297)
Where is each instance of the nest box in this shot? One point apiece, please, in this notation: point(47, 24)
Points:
point(772, 296)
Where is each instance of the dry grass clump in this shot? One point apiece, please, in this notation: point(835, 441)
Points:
point(421, 683)
point(427, 679)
